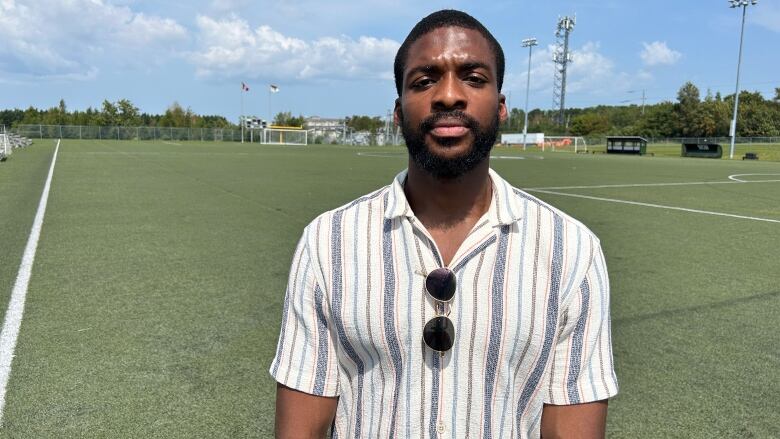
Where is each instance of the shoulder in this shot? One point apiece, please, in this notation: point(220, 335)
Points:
point(570, 225)
point(366, 208)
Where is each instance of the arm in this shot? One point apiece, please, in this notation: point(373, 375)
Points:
point(582, 374)
point(306, 364)
point(301, 415)
point(587, 421)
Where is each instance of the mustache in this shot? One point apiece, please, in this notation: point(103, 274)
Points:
point(428, 123)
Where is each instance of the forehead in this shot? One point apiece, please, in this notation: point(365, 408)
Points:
point(450, 45)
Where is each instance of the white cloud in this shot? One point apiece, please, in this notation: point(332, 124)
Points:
point(658, 53)
point(591, 77)
point(230, 48)
point(66, 39)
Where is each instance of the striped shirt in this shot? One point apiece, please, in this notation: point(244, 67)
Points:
point(531, 317)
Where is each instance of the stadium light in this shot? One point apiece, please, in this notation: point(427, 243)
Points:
point(733, 129)
point(529, 43)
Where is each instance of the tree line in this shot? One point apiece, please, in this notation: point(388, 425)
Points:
point(120, 113)
point(689, 116)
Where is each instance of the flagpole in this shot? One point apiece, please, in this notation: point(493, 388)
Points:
point(241, 118)
point(270, 115)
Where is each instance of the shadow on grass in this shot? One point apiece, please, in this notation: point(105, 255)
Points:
point(693, 309)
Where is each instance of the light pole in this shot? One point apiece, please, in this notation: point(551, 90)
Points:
point(733, 129)
point(529, 43)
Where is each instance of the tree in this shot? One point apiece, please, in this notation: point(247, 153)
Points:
point(62, 113)
point(589, 123)
point(689, 121)
point(128, 113)
point(286, 119)
point(108, 114)
point(688, 95)
point(174, 116)
point(777, 95)
point(365, 123)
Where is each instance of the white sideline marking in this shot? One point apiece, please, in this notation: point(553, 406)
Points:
point(734, 177)
point(658, 206)
point(13, 316)
point(171, 143)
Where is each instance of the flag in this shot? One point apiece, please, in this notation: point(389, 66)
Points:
point(274, 89)
point(244, 87)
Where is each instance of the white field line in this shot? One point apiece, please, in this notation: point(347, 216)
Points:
point(156, 153)
point(515, 157)
point(171, 143)
point(403, 154)
point(380, 154)
point(687, 183)
point(734, 177)
point(13, 316)
point(657, 206)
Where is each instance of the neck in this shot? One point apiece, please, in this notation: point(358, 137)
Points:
point(443, 204)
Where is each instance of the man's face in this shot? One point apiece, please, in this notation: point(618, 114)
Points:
point(450, 108)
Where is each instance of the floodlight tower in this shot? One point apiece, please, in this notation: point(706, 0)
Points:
point(562, 58)
point(529, 43)
point(733, 129)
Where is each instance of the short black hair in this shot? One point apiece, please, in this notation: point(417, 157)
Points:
point(446, 18)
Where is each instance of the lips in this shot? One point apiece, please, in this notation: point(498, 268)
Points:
point(453, 131)
point(449, 129)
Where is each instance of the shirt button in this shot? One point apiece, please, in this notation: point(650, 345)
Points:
point(440, 428)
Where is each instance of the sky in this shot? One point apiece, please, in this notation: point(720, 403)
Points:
point(334, 58)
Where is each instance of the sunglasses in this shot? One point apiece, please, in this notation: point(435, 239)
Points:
point(439, 332)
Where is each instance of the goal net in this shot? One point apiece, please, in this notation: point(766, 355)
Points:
point(285, 136)
point(565, 143)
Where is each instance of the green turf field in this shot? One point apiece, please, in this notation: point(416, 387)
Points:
point(155, 299)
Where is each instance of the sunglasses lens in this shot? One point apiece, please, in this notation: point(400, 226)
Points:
point(440, 284)
point(439, 334)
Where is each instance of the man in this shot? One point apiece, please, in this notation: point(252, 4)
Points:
point(447, 304)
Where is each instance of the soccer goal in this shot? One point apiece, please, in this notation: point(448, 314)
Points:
point(5, 147)
point(565, 143)
point(285, 136)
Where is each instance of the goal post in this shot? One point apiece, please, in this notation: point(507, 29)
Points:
point(5, 147)
point(285, 136)
point(565, 143)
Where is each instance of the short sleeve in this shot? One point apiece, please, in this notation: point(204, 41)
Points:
point(305, 356)
point(582, 367)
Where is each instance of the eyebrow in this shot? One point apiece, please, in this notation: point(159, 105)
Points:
point(474, 65)
point(426, 69)
point(429, 68)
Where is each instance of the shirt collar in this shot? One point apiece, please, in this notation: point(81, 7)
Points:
point(505, 208)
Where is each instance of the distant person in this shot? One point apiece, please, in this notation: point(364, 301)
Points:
point(448, 303)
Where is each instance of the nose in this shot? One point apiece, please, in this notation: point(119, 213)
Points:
point(449, 94)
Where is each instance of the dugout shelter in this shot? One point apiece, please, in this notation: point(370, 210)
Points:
point(626, 145)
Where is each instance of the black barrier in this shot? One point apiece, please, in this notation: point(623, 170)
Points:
point(704, 150)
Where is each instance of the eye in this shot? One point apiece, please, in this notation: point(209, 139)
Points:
point(422, 83)
point(475, 79)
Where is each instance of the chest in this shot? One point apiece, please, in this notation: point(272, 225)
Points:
point(379, 306)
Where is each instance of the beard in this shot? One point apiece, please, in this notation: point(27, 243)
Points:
point(444, 168)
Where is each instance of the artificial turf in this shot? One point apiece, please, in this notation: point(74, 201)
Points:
point(155, 301)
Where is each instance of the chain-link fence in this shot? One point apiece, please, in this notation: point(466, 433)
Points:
point(129, 133)
point(602, 140)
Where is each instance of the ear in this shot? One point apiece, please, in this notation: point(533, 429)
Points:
point(502, 110)
point(398, 115)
